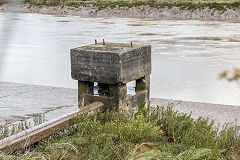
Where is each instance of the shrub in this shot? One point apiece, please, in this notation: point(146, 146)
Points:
point(155, 133)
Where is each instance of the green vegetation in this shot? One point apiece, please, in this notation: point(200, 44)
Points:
point(149, 134)
point(184, 4)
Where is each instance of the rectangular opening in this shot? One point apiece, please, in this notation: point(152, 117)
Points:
point(101, 89)
point(95, 89)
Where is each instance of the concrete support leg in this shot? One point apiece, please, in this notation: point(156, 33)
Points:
point(84, 88)
point(143, 84)
point(119, 92)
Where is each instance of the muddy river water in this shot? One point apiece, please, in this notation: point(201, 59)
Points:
point(187, 55)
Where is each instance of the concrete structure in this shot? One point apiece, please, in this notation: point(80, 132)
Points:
point(112, 66)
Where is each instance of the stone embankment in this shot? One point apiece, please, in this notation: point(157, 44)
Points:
point(138, 11)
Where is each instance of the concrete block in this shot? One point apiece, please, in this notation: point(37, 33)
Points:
point(111, 63)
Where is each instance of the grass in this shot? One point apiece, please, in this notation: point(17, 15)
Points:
point(220, 5)
point(160, 133)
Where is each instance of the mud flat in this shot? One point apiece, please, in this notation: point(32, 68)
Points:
point(21, 101)
point(144, 11)
point(221, 114)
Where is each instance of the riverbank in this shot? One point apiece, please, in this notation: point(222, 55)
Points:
point(171, 135)
point(148, 134)
point(219, 113)
point(20, 101)
point(151, 9)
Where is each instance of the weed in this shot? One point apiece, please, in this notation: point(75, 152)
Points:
point(153, 133)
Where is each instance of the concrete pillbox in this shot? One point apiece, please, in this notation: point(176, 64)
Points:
point(111, 63)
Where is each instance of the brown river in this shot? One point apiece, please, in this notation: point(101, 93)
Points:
point(187, 55)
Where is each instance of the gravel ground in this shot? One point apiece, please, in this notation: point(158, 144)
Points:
point(140, 11)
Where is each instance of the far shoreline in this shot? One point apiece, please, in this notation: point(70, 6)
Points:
point(141, 11)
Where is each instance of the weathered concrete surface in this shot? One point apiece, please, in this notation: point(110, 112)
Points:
point(116, 96)
point(20, 101)
point(111, 63)
point(219, 113)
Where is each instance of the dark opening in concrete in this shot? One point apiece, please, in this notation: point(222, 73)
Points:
point(101, 89)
